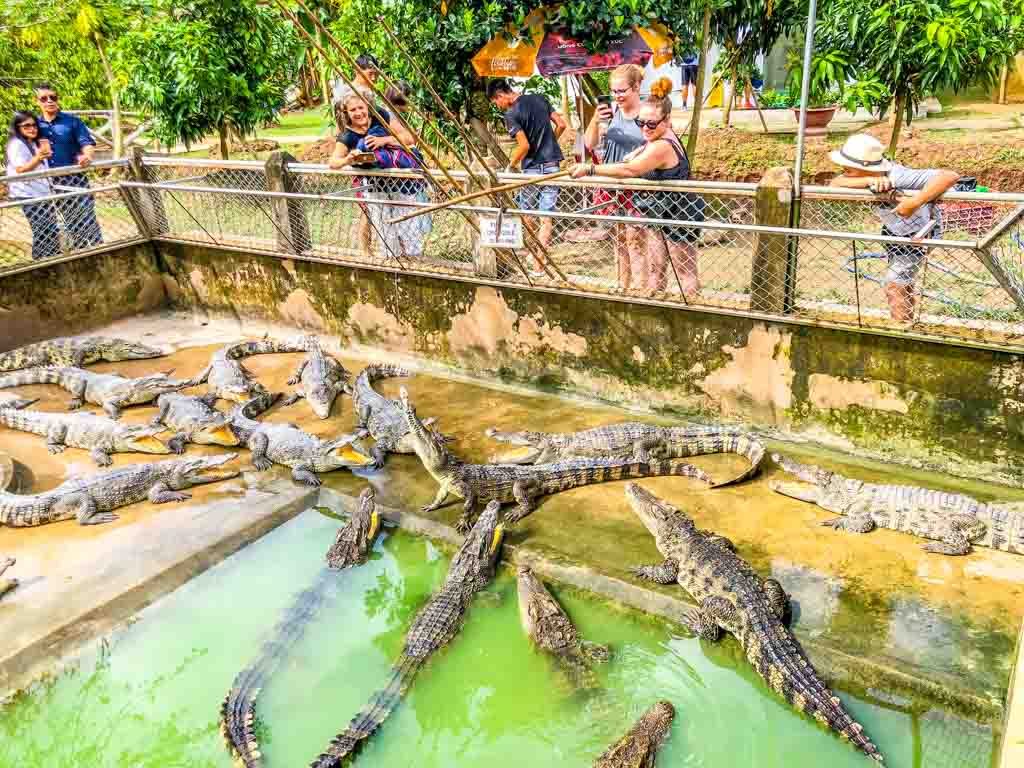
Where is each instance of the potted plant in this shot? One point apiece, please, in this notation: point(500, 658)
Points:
point(829, 71)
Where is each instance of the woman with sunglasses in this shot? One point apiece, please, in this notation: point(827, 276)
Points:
point(26, 153)
point(661, 158)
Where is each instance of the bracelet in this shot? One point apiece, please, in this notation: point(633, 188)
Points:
point(590, 169)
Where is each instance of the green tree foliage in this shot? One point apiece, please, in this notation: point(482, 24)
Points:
point(208, 65)
point(903, 50)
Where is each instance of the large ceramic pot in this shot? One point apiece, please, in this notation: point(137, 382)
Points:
point(818, 119)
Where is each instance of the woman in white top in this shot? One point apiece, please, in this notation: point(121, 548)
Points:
point(25, 154)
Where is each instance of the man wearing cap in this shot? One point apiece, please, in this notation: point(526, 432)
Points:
point(915, 216)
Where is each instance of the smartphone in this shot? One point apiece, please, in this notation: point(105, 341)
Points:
point(604, 99)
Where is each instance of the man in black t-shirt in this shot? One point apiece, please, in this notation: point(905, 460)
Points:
point(535, 126)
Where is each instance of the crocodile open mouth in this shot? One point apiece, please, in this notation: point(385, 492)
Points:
point(353, 457)
point(222, 435)
point(148, 444)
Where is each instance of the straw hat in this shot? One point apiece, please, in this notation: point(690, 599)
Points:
point(862, 152)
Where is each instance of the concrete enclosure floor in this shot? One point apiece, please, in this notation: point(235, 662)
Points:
point(877, 596)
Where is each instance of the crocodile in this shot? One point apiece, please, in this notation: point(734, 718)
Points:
point(637, 442)
point(91, 500)
point(731, 596)
point(194, 420)
point(230, 380)
point(75, 351)
point(290, 446)
point(952, 521)
point(351, 548)
point(523, 485)
point(108, 390)
point(13, 401)
point(97, 434)
point(639, 747)
point(382, 417)
point(321, 379)
point(435, 625)
point(550, 629)
point(6, 585)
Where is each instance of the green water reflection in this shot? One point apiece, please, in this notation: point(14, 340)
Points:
point(152, 698)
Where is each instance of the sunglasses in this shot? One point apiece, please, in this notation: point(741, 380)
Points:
point(650, 125)
point(47, 97)
point(28, 125)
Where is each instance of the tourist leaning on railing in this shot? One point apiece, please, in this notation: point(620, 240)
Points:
point(661, 158)
point(27, 153)
point(864, 167)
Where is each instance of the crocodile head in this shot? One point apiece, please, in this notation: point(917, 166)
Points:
point(320, 398)
point(218, 433)
point(971, 527)
point(147, 388)
point(201, 470)
point(139, 438)
point(639, 747)
point(829, 490)
point(115, 350)
point(344, 451)
point(429, 444)
point(537, 444)
point(477, 558)
point(354, 540)
point(664, 522)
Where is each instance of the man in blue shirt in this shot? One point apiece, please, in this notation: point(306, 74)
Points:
point(71, 144)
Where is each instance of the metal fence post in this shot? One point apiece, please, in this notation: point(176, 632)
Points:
point(290, 224)
point(146, 207)
point(769, 282)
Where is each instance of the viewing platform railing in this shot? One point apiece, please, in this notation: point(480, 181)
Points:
point(744, 249)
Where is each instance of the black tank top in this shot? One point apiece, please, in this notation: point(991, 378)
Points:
point(680, 172)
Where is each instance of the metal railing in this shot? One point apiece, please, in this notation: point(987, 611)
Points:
point(710, 246)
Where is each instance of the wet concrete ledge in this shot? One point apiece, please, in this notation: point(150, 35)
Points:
point(98, 594)
point(860, 676)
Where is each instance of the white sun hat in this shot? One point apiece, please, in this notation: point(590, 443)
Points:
point(863, 152)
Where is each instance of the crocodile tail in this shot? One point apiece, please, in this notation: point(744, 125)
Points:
point(43, 375)
point(575, 473)
point(12, 402)
point(266, 347)
point(750, 448)
point(782, 663)
point(372, 373)
point(363, 725)
point(238, 711)
point(23, 421)
point(17, 511)
point(672, 468)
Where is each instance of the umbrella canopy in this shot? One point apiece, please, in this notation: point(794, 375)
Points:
point(556, 53)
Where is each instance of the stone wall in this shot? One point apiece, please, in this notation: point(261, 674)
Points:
point(934, 405)
point(79, 295)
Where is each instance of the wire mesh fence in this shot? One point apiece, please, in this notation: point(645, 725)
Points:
point(702, 245)
point(63, 212)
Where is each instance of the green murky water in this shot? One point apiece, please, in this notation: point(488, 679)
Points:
point(151, 696)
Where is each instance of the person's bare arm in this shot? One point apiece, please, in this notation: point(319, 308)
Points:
point(338, 158)
point(559, 123)
point(651, 157)
point(592, 136)
point(933, 190)
point(399, 131)
point(522, 150)
point(854, 182)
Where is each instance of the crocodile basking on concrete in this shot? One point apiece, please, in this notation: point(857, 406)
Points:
point(13, 401)
point(290, 446)
point(636, 442)
point(731, 596)
point(639, 747)
point(230, 380)
point(91, 500)
point(550, 629)
point(97, 434)
point(75, 351)
point(194, 420)
point(321, 379)
point(6, 585)
point(953, 522)
point(436, 624)
point(523, 485)
point(351, 547)
point(108, 390)
point(381, 416)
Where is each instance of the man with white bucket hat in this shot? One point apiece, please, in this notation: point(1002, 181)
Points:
point(914, 216)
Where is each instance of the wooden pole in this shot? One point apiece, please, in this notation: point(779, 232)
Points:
point(698, 103)
point(480, 193)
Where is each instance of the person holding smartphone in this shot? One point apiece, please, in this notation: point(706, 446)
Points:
point(621, 135)
point(27, 152)
point(72, 145)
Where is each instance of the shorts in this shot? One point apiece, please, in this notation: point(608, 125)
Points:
point(690, 74)
point(620, 203)
point(904, 260)
point(542, 197)
point(678, 206)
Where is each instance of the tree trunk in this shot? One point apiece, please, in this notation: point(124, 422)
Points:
point(1004, 78)
point(897, 122)
point(484, 134)
point(698, 102)
point(115, 100)
point(222, 130)
point(727, 117)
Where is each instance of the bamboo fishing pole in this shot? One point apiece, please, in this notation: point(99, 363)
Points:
point(479, 193)
point(388, 81)
point(503, 199)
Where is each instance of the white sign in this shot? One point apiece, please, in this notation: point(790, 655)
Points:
point(511, 235)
